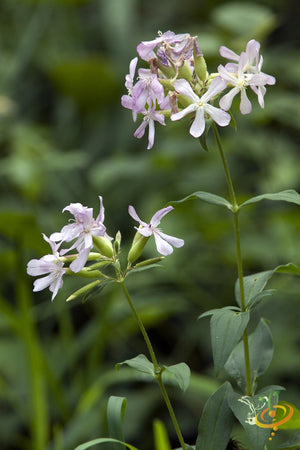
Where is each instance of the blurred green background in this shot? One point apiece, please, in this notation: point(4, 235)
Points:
point(64, 137)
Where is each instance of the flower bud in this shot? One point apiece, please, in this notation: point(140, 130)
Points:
point(117, 242)
point(103, 245)
point(200, 68)
point(84, 289)
point(137, 247)
point(185, 72)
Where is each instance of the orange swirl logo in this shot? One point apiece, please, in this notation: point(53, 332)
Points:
point(279, 413)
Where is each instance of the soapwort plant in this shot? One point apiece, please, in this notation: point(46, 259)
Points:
point(177, 84)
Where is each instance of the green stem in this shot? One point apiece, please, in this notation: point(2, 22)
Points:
point(235, 211)
point(157, 369)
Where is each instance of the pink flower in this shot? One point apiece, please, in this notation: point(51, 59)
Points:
point(163, 241)
point(48, 264)
point(201, 106)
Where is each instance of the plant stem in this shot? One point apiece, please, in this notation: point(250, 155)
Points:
point(157, 369)
point(235, 211)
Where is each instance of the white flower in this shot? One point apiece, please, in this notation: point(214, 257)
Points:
point(48, 264)
point(163, 241)
point(201, 105)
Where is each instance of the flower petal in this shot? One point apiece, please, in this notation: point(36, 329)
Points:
point(156, 218)
point(184, 112)
point(221, 117)
point(245, 105)
point(162, 246)
point(226, 100)
point(184, 88)
point(198, 125)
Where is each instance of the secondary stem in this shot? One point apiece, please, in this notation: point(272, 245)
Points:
point(235, 211)
point(157, 369)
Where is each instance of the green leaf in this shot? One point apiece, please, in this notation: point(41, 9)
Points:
point(226, 329)
point(207, 197)
point(180, 373)
point(103, 441)
point(215, 310)
point(140, 363)
point(161, 440)
point(292, 443)
point(202, 138)
point(294, 422)
point(289, 195)
point(260, 352)
point(116, 407)
point(216, 421)
point(255, 284)
point(245, 409)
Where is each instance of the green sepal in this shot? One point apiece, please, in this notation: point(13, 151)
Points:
point(149, 262)
point(179, 373)
point(84, 289)
point(206, 197)
point(104, 245)
point(260, 353)
point(137, 248)
point(216, 421)
point(200, 67)
point(116, 407)
point(86, 273)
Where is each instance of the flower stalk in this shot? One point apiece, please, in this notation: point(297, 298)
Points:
point(157, 369)
point(235, 211)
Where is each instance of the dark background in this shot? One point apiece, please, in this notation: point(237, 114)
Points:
point(64, 137)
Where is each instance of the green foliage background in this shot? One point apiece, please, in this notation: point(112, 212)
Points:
point(65, 138)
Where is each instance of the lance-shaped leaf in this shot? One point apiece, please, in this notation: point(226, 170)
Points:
point(245, 409)
point(103, 441)
point(254, 284)
point(289, 196)
point(292, 443)
point(206, 197)
point(227, 326)
point(260, 352)
point(216, 421)
point(226, 329)
point(179, 373)
point(116, 407)
point(161, 440)
point(139, 363)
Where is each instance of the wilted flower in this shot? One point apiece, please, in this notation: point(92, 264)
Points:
point(201, 106)
point(163, 241)
point(48, 264)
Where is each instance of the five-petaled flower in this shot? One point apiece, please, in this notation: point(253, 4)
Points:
point(201, 105)
point(82, 229)
point(246, 71)
point(163, 241)
point(48, 264)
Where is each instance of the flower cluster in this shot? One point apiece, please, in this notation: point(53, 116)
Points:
point(86, 234)
point(177, 83)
